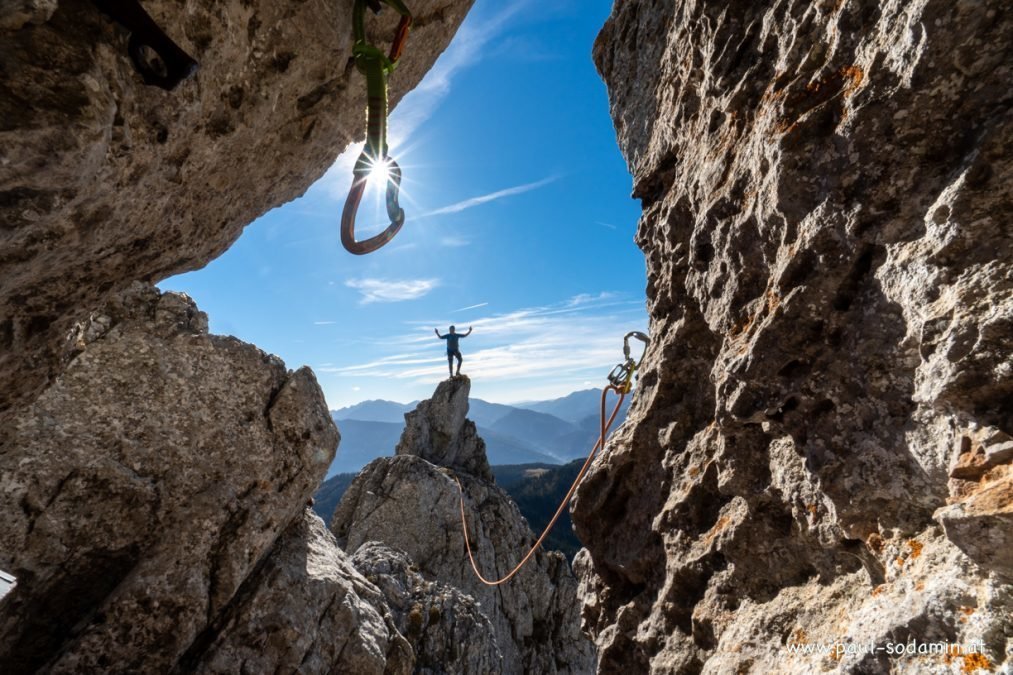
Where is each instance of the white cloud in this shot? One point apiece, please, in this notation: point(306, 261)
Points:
point(471, 203)
point(608, 225)
point(464, 309)
point(407, 359)
point(588, 298)
point(324, 323)
point(464, 205)
point(385, 290)
point(579, 343)
point(465, 50)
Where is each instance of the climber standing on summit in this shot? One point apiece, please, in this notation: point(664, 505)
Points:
point(453, 349)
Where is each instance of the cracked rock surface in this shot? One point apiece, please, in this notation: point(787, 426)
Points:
point(409, 503)
point(104, 181)
point(305, 610)
point(446, 628)
point(142, 489)
point(439, 432)
point(819, 449)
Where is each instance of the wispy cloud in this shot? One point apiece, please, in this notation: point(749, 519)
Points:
point(457, 207)
point(565, 341)
point(324, 323)
point(589, 298)
point(472, 202)
point(527, 49)
point(465, 50)
point(386, 290)
point(608, 225)
point(404, 359)
point(464, 309)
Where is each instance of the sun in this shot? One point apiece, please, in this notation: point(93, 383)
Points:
point(379, 172)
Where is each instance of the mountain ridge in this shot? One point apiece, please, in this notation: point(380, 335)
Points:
point(523, 433)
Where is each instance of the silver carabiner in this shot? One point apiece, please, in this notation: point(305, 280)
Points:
point(621, 376)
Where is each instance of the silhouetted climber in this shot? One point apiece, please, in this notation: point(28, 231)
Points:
point(452, 347)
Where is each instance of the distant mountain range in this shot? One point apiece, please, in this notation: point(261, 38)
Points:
point(538, 432)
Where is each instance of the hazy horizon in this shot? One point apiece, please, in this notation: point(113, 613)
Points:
point(510, 403)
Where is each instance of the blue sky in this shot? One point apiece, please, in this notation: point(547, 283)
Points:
point(519, 223)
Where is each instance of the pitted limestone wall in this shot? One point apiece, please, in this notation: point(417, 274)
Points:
point(819, 451)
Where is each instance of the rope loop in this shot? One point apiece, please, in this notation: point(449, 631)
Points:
point(600, 443)
point(620, 382)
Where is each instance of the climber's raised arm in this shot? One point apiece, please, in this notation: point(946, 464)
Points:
point(437, 331)
point(468, 333)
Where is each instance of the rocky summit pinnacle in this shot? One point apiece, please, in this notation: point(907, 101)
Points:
point(400, 520)
point(438, 431)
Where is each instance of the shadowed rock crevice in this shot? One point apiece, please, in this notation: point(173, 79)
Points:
point(50, 616)
point(304, 608)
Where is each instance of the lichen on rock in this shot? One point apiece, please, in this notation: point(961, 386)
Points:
point(446, 628)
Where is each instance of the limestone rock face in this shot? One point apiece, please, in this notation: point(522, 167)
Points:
point(818, 451)
point(446, 628)
point(306, 609)
point(410, 504)
point(16, 13)
point(438, 431)
point(104, 180)
point(142, 489)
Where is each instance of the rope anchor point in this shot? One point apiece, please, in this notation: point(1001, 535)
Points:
point(620, 382)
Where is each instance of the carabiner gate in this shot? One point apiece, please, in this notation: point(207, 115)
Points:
point(621, 376)
point(643, 337)
point(376, 66)
point(360, 174)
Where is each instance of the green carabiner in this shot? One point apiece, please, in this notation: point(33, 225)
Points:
point(376, 66)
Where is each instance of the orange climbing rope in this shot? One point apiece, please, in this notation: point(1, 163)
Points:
point(621, 390)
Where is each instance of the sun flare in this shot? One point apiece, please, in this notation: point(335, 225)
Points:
point(379, 173)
